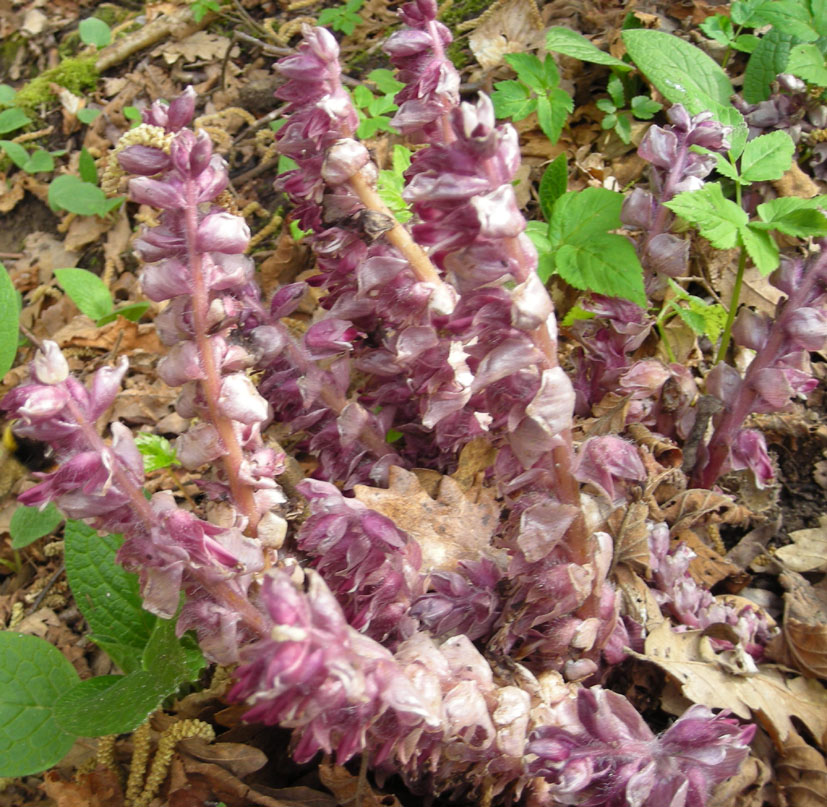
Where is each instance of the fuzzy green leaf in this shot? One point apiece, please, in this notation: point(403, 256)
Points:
point(33, 675)
point(769, 58)
point(30, 523)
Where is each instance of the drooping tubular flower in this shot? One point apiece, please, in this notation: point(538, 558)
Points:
point(170, 549)
point(194, 259)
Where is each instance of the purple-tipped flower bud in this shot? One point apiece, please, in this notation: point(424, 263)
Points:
point(181, 110)
point(221, 231)
point(723, 382)
point(344, 159)
point(667, 254)
point(201, 153)
point(751, 330)
point(659, 147)
point(163, 195)
point(609, 462)
point(49, 365)
point(807, 328)
point(143, 160)
point(638, 209)
point(750, 451)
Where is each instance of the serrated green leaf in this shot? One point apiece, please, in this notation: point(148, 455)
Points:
point(807, 62)
point(33, 675)
point(156, 450)
point(9, 316)
point(769, 58)
point(15, 152)
point(585, 255)
point(94, 32)
point(717, 219)
point(743, 10)
point(106, 594)
point(576, 313)
point(644, 108)
point(722, 164)
point(746, 43)
point(553, 184)
point(513, 100)
point(86, 290)
point(730, 116)
point(605, 105)
point(529, 70)
point(385, 81)
point(362, 96)
point(767, 157)
point(719, 28)
point(570, 43)
point(793, 216)
point(30, 523)
point(692, 318)
point(616, 91)
point(623, 128)
point(761, 247)
point(401, 159)
point(11, 119)
point(683, 73)
point(552, 111)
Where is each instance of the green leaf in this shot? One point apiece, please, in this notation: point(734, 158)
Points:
point(94, 32)
point(767, 157)
point(530, 70)
point(11, 119)
point(769, 58)
point(788, 16)
point(86, 290)
point(570, 43)
point(7, 94)
point(9, 316)
point(33, 675)
point(131, 311)
point(717, 219)
point(552, 112)
point(683, 73)
point(730, 116)
point(87, 115)
point(385, 81)
point(30, 523)
point(538, 233)
point(172, 660)
point(513, 100)
point(585, 255)
point(793, 216)
point(107, 595)
point(40, 160)
point(807, 62)
point(576, 313)
point(722, 164)
point(623, 128)
point(761, 247)
point(616, 92)
point(401, 159)
point(16, 153)
point(362, 96)
point(743, 12)
point(746, 43)
point(553, 184)
point(605, 105)
point(157, 451)
point(719, 28)
point(69, 192)
point(644, 108)
point(132, 113)
point(87, 168)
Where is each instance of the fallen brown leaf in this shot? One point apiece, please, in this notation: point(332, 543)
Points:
point(344, 785)
point(707, 567)
point(100, 788)
point(808, 552)
point(770, 697)
point(628, 526)
point(507, 26)
point(450, 528)
point(801, 774)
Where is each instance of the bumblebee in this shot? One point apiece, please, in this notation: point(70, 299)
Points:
point(18, 456)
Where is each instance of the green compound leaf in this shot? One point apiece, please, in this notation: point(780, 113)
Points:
point(767, 157)
point(33, 675)
point(683, 73)
point(570, 43)
point(718, 220)
point(761, 247)
point(9, 314)
point(793, 216)
point(29, 523)
point(588, 257)
point(107, 595)
point(87, 291)
point(769, 58)
point(157, 451)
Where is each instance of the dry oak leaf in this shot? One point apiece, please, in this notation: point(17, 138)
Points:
point(691, 506)
point(746, 788)
point(770, 697)
point(99, 788)
point(196, 47)
point(801, 774)
point(507, 26)
point(803, 643)
point(707, 567)
point(345, 786)
point(808, 553)
point(628, 527)
point(452, 527)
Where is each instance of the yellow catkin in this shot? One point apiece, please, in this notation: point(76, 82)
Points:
point(18, 611)
point(105, 752)
point(141, 742)
point(143, 135)
point(267, 230)
point(53, 549)
point(163, 756)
